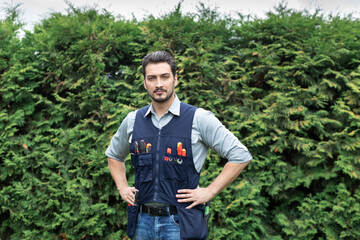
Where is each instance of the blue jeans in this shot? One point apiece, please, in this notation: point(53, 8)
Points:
point(157, 227)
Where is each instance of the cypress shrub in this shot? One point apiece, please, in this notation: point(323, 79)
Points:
point(287, 86)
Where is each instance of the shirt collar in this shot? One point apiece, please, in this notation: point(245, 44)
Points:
point(174, 108)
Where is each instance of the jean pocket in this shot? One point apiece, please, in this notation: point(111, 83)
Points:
point(175, 219)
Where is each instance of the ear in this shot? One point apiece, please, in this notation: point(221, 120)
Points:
point(175, 80)
point(145, 84)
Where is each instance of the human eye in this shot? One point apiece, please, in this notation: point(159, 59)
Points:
point(165, 76)
point(150, 78)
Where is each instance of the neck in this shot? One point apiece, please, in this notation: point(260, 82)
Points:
point(162, 107)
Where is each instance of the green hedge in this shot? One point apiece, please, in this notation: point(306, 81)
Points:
point(288, 86)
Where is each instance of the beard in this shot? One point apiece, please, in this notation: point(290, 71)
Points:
point(161, 99)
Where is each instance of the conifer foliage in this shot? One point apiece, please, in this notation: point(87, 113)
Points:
point(288, 86)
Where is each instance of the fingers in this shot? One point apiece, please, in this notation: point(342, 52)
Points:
point(185, 190)
point(186, 200)
point(131, 195)
point(183, 195)
point(187, 195)
point(193, 196)
point(132, 198)
point(128, 195)
point(192, 200)
point(133, 189)
point(129, 199)
point(192, 205)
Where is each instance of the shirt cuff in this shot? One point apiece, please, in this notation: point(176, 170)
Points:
point(245, 157)
point(109, 155)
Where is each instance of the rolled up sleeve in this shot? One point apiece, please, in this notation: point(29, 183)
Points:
point(215, 135)
point(119, 146)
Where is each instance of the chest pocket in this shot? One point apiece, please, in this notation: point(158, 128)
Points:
point(143, 165)
point(175, 168)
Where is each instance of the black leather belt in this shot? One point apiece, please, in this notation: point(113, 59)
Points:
point(159, 210)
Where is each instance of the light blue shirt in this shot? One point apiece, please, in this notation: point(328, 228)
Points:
point(207, 132)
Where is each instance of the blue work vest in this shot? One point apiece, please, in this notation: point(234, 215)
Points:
point(159, 174)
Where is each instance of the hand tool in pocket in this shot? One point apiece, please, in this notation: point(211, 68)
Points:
point(142, 146)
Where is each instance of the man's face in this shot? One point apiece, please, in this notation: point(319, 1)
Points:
point(159, 81)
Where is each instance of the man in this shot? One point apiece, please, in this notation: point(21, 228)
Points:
point(167, 172)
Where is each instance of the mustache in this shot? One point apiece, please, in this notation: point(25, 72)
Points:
point(160, 89)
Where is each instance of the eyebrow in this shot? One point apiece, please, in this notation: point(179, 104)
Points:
point(153, 75)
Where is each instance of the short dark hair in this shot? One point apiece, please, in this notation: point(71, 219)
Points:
point(159, 57)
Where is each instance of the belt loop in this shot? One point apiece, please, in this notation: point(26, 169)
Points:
point(141, 206)
point(168, 210)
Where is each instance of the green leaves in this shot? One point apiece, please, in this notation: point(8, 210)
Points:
point(287, 86)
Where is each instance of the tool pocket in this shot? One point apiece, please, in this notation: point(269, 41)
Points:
point(143, 165)
point(175, 168)
point(132, 218)
point(192, 223)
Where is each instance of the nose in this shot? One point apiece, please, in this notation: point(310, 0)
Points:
point(159, 82)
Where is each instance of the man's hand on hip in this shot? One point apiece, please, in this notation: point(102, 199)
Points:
point(128, 194)
point(196, 196)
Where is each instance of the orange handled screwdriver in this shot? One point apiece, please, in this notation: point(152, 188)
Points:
point(148, 147)
point(179, 148)
point(183, 152)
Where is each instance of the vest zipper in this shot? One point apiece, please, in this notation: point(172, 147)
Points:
point(157, 161)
